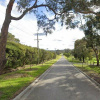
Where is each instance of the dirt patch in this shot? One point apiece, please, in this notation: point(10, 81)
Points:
point(95, 76)
point(16, 76)
point(31, 69)
point(9, 70)
point(92, 75)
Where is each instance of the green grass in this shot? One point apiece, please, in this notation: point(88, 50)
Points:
point(72, 59)
point(84, 67)
point(11, 83)
point(88, 68)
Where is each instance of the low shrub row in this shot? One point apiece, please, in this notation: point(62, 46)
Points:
point(20, 55)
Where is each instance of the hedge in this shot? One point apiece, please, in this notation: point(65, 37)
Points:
point(20, 55)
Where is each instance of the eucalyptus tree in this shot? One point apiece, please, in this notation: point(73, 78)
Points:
point(80, 49)
point(92, 35)
point(39, 9)
point(24, 7)
point(74, 9)
point(63, 10)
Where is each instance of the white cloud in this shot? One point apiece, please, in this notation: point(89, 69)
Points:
point(66, 37)
point(26, 27)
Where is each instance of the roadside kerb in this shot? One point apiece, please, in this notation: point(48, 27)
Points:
point(96, 83)
point(25, 92)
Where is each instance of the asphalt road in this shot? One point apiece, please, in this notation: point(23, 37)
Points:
point(63, 82)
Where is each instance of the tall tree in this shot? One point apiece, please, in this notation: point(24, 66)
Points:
point(80, 50)
point(92, 36)
point(60, 8)
point(25, 6)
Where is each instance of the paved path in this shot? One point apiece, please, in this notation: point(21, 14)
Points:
point(63, 82)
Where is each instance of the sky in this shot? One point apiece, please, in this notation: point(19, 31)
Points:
point(25, 29)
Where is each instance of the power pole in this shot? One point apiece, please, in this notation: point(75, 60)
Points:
point(55, 52)
point(38, 47)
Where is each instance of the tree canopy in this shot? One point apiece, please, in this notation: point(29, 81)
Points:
point(92, 36)
point(80, 49)
point(64, 11)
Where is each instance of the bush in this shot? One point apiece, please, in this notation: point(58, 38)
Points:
point(67, 54)
point(19, 55)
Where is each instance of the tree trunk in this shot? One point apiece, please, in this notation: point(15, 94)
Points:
point(3, 41)
point(97, 57)
point(83, 59)
point(80, 59)
point(4, 34)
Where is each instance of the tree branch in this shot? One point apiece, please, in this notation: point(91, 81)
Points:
point(9, 6)
point(45, 5)
point(85, 12)
point(54, 11)
point(34, 6)
point(25, 11)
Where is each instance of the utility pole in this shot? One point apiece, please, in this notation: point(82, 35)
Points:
point(55, 52)
point(38, 46)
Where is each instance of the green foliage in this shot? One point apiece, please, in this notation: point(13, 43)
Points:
point(67, 54)
point(43, 20)
point(13, 82)
point(92, 36)
point(11, 38)
point(88, 68)
point(91, 30)
point(81, 51)
point(73, 60)
point(58, 52)
point(68, 50)
point(19, 55)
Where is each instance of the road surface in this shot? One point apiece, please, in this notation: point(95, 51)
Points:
point(63, 82)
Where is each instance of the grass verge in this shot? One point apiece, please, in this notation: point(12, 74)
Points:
point(72, 59)
point(13, 83)
point(91, 70)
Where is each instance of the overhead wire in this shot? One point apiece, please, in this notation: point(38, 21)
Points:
point(20, 25)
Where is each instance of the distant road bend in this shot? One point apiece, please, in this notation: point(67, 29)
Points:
point(62, 82)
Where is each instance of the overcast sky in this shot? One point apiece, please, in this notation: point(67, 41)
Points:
point(25, 29)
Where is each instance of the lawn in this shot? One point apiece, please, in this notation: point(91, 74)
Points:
point(91, 70)
point(14, 82)
point(88, 68)
point(72, 59)
point(84, 66)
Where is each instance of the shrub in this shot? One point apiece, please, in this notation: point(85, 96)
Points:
point(19, 55)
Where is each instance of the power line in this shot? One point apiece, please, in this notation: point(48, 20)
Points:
point(20, 29)
point(20, 25)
